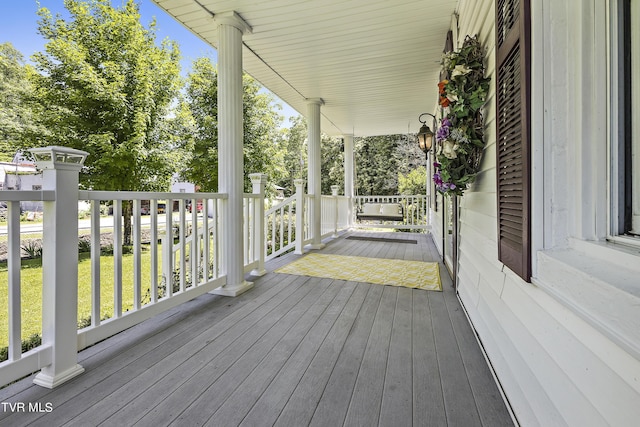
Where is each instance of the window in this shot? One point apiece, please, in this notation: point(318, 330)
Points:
point(625, 62)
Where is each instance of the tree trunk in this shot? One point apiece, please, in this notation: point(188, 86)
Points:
point(127, 212)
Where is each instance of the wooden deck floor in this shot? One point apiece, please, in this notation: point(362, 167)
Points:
point(293, 351)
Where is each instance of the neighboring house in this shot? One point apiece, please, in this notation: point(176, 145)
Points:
point(279, 192)
point(21, 176)
point(183, 187)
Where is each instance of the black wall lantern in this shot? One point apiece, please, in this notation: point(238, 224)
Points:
point(425, 135)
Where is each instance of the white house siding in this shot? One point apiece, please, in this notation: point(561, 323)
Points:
point(559, 364)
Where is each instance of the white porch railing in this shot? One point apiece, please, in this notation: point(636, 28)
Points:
point(415, 210)
point(19, 364)
point(280, 228)
point(184, 258)
point(174, 257)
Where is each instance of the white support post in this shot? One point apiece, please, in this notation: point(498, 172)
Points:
point(230, 154)
point(299, 183)
point(61, 167)
point(334, 194)
point(259, 182)
point(348, 176)
point(314, 173)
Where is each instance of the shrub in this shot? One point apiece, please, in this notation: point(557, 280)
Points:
point(32, 342)
point(84, 245)
point(32, 249)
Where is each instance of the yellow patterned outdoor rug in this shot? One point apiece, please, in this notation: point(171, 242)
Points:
point(410, 274)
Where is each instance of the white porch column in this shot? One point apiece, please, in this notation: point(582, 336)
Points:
point(348, 175)
point(60, 168)
point(231, 27)
point(314, 175)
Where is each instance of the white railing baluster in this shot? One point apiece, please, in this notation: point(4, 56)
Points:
point(205, 240)
point(137, 254)
point(95, 263)
point(245, 233)
point(117, 258)
point(334, 213)
point(153, 207)
point(274, 230)
point(13, 266)
point(182, 233)
point(258, 247)
point(217, 238)
point(281, 227)
point(300, 235)
point(194, 253)
point(289, 217)
point(167, 249)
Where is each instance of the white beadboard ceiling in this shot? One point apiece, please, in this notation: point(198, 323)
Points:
point(375, 63)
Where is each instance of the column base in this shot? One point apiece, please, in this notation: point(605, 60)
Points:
point(48, 381)
point(258, 272)
point(315, 246)
point(233, 290)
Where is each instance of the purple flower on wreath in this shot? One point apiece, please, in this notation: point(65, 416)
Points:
point(440, 184)
point(443, 131)
point(437, 179)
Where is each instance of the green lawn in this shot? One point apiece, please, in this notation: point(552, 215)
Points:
point(31, 290)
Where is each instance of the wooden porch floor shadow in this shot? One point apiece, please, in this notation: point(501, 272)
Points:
point(293, 351)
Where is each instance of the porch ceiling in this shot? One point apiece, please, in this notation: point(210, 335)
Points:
point(375, 63)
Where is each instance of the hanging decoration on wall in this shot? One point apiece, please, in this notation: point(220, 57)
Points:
point(459, 138)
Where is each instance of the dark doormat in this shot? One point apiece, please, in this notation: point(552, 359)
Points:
point(383, 239)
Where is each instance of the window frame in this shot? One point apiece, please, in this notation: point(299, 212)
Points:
point(620, 188)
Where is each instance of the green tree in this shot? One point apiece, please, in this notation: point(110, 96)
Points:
point(263, 144)
point(18, 112)
point(201, 100)
point(380, 160)
point(107, 87)
point(376, 166)
point(413, 182)
point(332, 167)
point(262, 141)
point(294, 149)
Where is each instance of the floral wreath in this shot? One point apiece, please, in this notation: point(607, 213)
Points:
point(460, 136)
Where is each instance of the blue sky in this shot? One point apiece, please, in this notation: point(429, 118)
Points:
point(18, 25)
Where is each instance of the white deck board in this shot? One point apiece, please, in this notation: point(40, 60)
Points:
point(293, 351)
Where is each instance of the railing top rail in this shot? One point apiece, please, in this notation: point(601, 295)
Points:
point(397, 196)
point(285, 202)
point(144, 195)
point(251, 196)
point(27, 195)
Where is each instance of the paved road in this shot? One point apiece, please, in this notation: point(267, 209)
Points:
point(85, 224)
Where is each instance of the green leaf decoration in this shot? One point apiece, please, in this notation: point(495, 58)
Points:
point(463, 94)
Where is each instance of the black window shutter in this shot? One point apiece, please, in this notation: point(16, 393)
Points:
point(513, 89)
